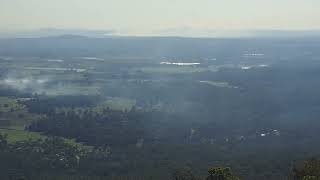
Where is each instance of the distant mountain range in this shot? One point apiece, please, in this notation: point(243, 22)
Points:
point(67, 33)
point(179, 32)
point(272, 44)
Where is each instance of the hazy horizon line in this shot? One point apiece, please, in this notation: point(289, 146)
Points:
point(173, 32)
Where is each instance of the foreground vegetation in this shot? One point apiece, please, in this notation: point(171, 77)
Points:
point(53, 158)
point(125, 143)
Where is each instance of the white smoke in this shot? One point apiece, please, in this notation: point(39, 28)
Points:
point(24, 83)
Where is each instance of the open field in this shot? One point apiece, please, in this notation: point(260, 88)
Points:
point(16, 135)
point(10, 104)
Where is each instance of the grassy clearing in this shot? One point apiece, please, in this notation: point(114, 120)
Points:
point(14, 115)
point(14, 118)
point(16, 135)
point(9, 104)
point(116, 103)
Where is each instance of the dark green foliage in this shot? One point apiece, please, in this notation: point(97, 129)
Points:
point(310, 170)
point(114, 128)
point(51, 155)
point(52, 158)
point(3, 142)
point(183, 174)
point(45, 105)
point(221, 173)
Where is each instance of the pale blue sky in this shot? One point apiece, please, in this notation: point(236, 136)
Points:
point(145, 17)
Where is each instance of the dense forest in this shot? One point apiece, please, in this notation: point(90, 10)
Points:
point(223, 110)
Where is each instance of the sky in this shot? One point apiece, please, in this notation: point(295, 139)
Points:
point(160, 17)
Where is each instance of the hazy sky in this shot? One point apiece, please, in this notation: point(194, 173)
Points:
point(159, 16)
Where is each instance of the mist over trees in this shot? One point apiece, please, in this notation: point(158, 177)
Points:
point(159, 108)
